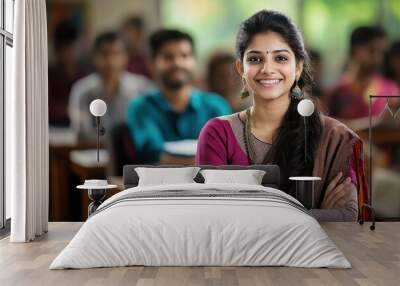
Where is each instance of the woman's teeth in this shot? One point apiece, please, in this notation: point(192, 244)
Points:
point(269, 81)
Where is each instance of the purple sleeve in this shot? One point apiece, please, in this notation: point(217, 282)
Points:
point(212, 144)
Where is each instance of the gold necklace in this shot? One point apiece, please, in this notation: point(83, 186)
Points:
point(247, 142)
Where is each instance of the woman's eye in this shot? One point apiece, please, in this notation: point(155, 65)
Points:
point(281, 58)
point(254, 60)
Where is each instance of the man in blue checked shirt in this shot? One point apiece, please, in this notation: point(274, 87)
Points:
point(176, 111)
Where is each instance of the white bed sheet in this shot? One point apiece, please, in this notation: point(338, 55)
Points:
point(200, 231)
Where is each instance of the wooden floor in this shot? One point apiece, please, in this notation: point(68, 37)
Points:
point(375, 257)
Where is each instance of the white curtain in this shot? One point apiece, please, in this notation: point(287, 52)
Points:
point(27, 124)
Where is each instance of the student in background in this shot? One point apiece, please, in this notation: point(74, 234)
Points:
point(349, 102)
point(110, 82)
point(223, 79)
point(133, 33)
point(63, 72)
point(317, 68)
point(349, 98)
point(392, 63)
point(176, 110)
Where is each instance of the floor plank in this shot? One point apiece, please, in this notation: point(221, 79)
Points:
point(374, 255)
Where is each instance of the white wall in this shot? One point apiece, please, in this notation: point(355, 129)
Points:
point(107, 14)
point(103, 15)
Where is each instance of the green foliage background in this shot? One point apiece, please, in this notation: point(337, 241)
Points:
point(326, 24)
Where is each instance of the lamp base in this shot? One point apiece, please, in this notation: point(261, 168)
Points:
point(97, 197)
point(305, 190)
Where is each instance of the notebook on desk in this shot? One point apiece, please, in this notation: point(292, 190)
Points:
point(186, 147)
point(88, 158)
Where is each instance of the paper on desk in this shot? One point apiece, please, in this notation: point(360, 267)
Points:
point(62, 136)
point(88, 158)
point(186, 147)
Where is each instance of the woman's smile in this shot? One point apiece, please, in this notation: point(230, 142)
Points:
point(268, 82)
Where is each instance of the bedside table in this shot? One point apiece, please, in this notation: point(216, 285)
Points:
point(96, 192)
point(305, 190)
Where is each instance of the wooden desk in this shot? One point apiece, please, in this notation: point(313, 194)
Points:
point(374, 255)
point(61, 198)
point(381, 136)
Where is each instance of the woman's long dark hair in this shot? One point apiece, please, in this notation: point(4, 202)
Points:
point(287, 149)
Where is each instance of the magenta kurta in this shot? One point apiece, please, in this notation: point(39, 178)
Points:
point(221, 143)
point(218, 145)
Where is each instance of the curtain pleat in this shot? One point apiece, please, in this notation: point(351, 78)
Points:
point(15, 130)
point(29, 159)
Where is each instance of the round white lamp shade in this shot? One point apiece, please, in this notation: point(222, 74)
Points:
point(306, 107)
point(98, 107)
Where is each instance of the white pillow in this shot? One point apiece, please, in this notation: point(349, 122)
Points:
point(166, 176)
point(248, 177)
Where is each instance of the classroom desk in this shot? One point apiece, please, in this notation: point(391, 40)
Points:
point(374, 255)
point(381, 136)
point(62, 201)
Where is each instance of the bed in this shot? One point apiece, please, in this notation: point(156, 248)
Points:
point(201, 224)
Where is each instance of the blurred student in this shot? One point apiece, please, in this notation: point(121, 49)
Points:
point(63, 72)
point(133, 33)
point(223, 79)
point(392, 64)
point(110, 82)
point(176, 111)
point(350, 103)
point(350, 97)
point(317, 68)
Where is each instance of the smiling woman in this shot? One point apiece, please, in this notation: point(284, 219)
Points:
point(275, 69)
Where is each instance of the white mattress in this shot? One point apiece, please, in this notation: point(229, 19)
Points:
point(189, 231)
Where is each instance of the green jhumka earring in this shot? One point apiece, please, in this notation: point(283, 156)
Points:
point(297, 93)
point(244, 92)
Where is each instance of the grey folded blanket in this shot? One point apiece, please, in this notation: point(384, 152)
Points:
point(198, 194)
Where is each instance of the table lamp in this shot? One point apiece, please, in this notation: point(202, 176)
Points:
point(305, 184)
point(305, 108)
point(98, 108)
point(97, 188)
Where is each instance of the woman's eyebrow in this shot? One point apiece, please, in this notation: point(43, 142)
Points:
point(280, 50)
point(253, 52)
point(273, 51)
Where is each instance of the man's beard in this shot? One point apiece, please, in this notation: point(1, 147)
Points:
point(175, 84)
